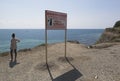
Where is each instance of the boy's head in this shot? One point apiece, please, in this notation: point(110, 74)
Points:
point(13, 35)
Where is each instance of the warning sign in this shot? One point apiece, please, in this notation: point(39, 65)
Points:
point(55, 20)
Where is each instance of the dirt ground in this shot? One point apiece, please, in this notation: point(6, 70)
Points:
point(81, 64)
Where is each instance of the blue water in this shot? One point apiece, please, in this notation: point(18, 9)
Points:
point(32, 37)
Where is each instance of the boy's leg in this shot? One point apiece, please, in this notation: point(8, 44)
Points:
point(11, 53)
point(15, 54)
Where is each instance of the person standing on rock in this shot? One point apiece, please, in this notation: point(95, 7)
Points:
point(13, 47)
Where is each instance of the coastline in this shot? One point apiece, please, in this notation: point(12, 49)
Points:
point(97, 46)
point(21, 50)
point(41, 45)
point(87, 64)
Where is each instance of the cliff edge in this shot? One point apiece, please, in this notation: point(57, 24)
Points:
point(111, 34)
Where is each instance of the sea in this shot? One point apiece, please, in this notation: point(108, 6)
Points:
point(29, 38)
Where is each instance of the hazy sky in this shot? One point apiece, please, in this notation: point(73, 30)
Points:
point(82, 14)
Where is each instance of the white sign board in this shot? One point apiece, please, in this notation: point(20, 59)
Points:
point(55, 20)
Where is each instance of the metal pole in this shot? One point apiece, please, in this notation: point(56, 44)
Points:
point(46, 44)
point(65, 42)
point(46, 36)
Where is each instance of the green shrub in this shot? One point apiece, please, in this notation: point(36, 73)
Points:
point(117, 24)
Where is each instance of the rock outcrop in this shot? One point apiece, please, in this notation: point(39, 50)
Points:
point(111, 34)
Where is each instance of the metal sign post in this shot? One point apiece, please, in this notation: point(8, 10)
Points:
point(65, 42)
point(46, 44)
point(55, 21)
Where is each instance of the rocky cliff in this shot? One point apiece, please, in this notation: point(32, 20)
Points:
point(111, 34)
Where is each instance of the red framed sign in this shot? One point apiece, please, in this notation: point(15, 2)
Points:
point(55, 20)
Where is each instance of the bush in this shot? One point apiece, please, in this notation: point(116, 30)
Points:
point(117, 24)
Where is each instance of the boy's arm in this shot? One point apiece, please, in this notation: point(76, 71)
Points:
point(17, 40)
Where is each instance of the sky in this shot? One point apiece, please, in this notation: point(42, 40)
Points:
point(81, 14)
